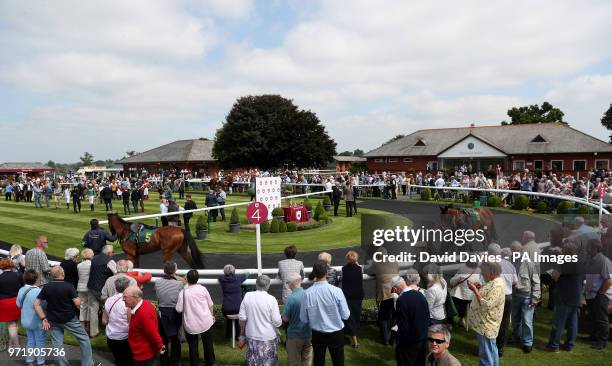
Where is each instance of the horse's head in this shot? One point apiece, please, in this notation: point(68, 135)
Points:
point(445, 209)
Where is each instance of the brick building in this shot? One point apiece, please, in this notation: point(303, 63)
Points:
point(549, 147)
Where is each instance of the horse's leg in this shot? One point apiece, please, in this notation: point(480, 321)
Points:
point(184, 252)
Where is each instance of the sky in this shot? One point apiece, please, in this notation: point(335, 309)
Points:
point(112, 76)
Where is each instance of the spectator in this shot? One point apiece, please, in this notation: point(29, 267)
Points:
point(102, 267)
point(332, 274)
point(259, 319)
point(116, 317)
point(510, 279)
point(486, 312)
point(189, 205)
point(230, 286)
point(211, 201)
point(36, 336)
point(324, 309)
point(167, 289)
point(16, 255)
point(598, 291)
point(163, 209)
point(461, 294)
point(140, 277)
point(526, 295)
point(108, 289)
point(69, 264)
point(436, 294)
point(37, 260)
point(96, 238)
point(439, 338)
point(10, 283)
point(61, 298)
point(567, 302)
point(83, 269)
point(352, 287)
point(412, 317)
point(384, 272)
point(299, 345)
point(196, 305)
point(143, 333)
point(288, 266)
point(349, 199)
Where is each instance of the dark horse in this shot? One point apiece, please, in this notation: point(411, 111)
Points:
point(461, 218)
point(168, 239)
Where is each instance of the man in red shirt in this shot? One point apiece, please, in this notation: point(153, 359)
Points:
point(143, 334)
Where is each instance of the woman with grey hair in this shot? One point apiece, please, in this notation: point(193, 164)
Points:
point(259, 321)
point(69, 264)
point(232, 296)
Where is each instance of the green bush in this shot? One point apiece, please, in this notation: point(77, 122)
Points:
point(521, 202)
point(278, 212)
point(251, 192)
point(465, 198)
point(307, 204)
point(542, 207)
point(265, 227)
point(274, 227)
point(426, 194)
point(202, 224)
point(282, 226)
point(584, 210)
point(494, 201)
point(326, 201)
point(292, 226)
point(234, 218)
point(323, 218)
point(318, 211)
point(562, 207)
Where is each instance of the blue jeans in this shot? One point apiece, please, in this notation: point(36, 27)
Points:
point(76, 329)
point(37, 338)
point(487, 351)
point(564, 314)
point(522, 320)
point(37, 200)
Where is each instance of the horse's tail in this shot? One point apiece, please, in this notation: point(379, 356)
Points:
point(196, 255)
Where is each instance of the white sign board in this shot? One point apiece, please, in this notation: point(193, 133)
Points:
point(268, 192)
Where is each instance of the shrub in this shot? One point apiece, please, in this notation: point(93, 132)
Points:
point(521, 202)
point(292, 226)
point(307, 204)
point(323, 218)
point(494, 201)
point(274, 226)
point(282, 226)
point(234, 218)
point(465, 198)
point(251, 192)
point(318, 211)
point(426, 194)
point(542, 207)
point(201, 224)
point(562, 207)
point(278, 212)
point(584, 210)
point(265, 227)
point(326, 200)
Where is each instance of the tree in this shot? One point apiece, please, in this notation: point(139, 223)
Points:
point(606, 120)
point(86, 159)
point(397, 137)
point(534, 114)
point(358, 152)
point(346, 153)
point(269, 131)
point(51, 164)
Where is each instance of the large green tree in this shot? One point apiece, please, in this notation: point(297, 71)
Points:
point(269, 131)
point(86, 159)
point(606, 120)
point(534, 114)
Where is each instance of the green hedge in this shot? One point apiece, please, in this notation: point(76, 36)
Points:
point(563, 206)
point(426, 194)
point(318, 211)
point(584, 210)
point(542, 207)
point(494, 201)
point(282, 226)
point(521, 202)
point(278, 212)
point(291, 226)
point(265, 227)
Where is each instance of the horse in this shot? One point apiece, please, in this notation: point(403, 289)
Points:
point(460, 218)
point(168, 239)
point(225, 183)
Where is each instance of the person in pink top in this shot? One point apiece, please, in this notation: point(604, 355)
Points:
point(198, 318)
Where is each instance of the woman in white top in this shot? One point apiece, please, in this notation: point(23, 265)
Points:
point(67, 196)
point(259, 321)
point(459, 290)
point(83, 269)
point(436, 294)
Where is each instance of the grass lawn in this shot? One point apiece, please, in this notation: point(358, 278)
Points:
point(21, 223)
point(463, 346)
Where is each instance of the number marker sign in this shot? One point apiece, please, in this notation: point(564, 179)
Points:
point(257, 212)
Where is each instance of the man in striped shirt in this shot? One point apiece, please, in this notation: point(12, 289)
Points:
point(37, 260)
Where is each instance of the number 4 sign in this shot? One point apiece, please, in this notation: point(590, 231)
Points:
point(257, 212)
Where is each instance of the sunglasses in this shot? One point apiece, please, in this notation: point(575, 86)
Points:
point(436, 341)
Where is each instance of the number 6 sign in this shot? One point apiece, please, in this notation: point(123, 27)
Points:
point(257, 212)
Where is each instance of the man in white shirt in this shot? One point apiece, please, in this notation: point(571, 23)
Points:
point(163, 208)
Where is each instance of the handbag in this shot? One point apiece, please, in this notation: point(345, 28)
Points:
point(449, 306)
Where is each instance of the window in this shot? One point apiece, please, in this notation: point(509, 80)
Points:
point(538, 164)
point(392, 160)
point(432, 165)
point(538, 138)
point(556, 165)
point(407, 160)
point(420, 143)
point(518, 164)
point(579, 165)
point(602, 164)
point(379, 160)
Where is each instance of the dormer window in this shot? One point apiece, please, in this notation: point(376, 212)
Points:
point(420, 143)
point(538, 138)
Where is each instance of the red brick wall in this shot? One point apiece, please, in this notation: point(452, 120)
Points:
point(417, 164)
point(568, 161)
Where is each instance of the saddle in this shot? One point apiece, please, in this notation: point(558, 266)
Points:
point(472, 215)
point(141, 233)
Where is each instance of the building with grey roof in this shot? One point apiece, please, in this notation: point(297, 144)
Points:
point(548, 147)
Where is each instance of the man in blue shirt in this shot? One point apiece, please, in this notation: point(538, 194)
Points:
point(324, 309)
point(96, 238)
point(299, 346)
